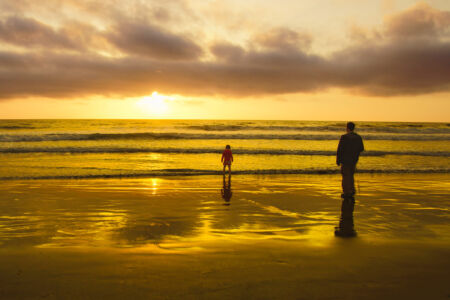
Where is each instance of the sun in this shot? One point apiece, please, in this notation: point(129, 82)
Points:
point(155, 104)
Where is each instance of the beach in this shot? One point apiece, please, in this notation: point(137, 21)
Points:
point(203, 237)
point(195, 149)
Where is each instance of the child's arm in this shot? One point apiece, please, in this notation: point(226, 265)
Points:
point(222, 156)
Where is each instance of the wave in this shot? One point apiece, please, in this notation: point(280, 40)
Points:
point(365, 128)
point(233, 126)
point(207, 136)
point(209, 151)
point(194, 172)
point(12, 127)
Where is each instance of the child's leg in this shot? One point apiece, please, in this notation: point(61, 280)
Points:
point(229, 169)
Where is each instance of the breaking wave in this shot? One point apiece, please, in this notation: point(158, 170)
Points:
point(207, 136)
point(207, 151)
point(13, 127)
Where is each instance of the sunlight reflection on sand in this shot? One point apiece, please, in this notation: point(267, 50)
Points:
point(187, 214)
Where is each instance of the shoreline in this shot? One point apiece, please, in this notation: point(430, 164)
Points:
point(193, 173)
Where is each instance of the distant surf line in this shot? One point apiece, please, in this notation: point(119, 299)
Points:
point(406, 128)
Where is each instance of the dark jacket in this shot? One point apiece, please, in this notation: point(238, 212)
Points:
point(350, 146)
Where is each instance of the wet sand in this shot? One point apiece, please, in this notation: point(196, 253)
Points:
point(254, 237)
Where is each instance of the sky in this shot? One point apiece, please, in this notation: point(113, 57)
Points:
point(360, 60)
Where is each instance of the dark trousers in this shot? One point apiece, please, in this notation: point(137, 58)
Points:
point(348, 181)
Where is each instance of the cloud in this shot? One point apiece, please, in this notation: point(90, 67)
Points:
point(283, 38)
point(419, 20)
point(392, 61)
point(63, 75)
point(227, 52)
point(397, 68)
point(384, 70)
point(129, 38)
point(28, 32)
point(152, 41)
point(32, 34)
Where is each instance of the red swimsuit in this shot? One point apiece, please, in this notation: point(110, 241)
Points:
point(227, 157)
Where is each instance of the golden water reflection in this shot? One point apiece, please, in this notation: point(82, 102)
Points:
point(184, 215)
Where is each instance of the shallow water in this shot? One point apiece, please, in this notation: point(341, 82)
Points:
point(199, 213)
point(32, 149)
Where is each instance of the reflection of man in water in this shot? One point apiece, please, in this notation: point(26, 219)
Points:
point(350, 146)
point(346, 226)
point(226, 190)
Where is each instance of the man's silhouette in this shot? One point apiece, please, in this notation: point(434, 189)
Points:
point(350, 146)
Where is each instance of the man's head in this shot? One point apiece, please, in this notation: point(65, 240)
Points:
point(350, 126)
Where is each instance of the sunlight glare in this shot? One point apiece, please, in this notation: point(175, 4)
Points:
point(155, 104)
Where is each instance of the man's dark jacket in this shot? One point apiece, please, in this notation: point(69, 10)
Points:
point(350, 146)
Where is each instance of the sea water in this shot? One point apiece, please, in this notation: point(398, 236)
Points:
point(38, 149)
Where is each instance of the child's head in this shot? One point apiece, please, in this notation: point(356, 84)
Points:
point(227, 147)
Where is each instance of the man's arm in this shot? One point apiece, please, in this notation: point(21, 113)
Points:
point(362, 145)
point(339, 152)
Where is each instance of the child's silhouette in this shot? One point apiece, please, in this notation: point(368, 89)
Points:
point(227, 158)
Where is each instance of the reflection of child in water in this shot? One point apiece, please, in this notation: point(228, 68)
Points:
point(226, 190)
point(227, 158)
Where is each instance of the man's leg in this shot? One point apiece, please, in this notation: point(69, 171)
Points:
point(352, 179)
point(348, 182)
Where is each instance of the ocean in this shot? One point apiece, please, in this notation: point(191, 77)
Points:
point(41, 149)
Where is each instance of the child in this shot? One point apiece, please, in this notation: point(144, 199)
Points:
point(227, 158)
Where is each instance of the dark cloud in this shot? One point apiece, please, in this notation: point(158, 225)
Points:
point(148, 40)
point(398, 68)
point(28, 32)
point(57, 75)
point(274, 62)
point(227, 52)
point(129, 38)
point(12, 61)
point(393, 69)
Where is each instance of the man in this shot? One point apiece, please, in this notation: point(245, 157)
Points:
point(350, 146)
